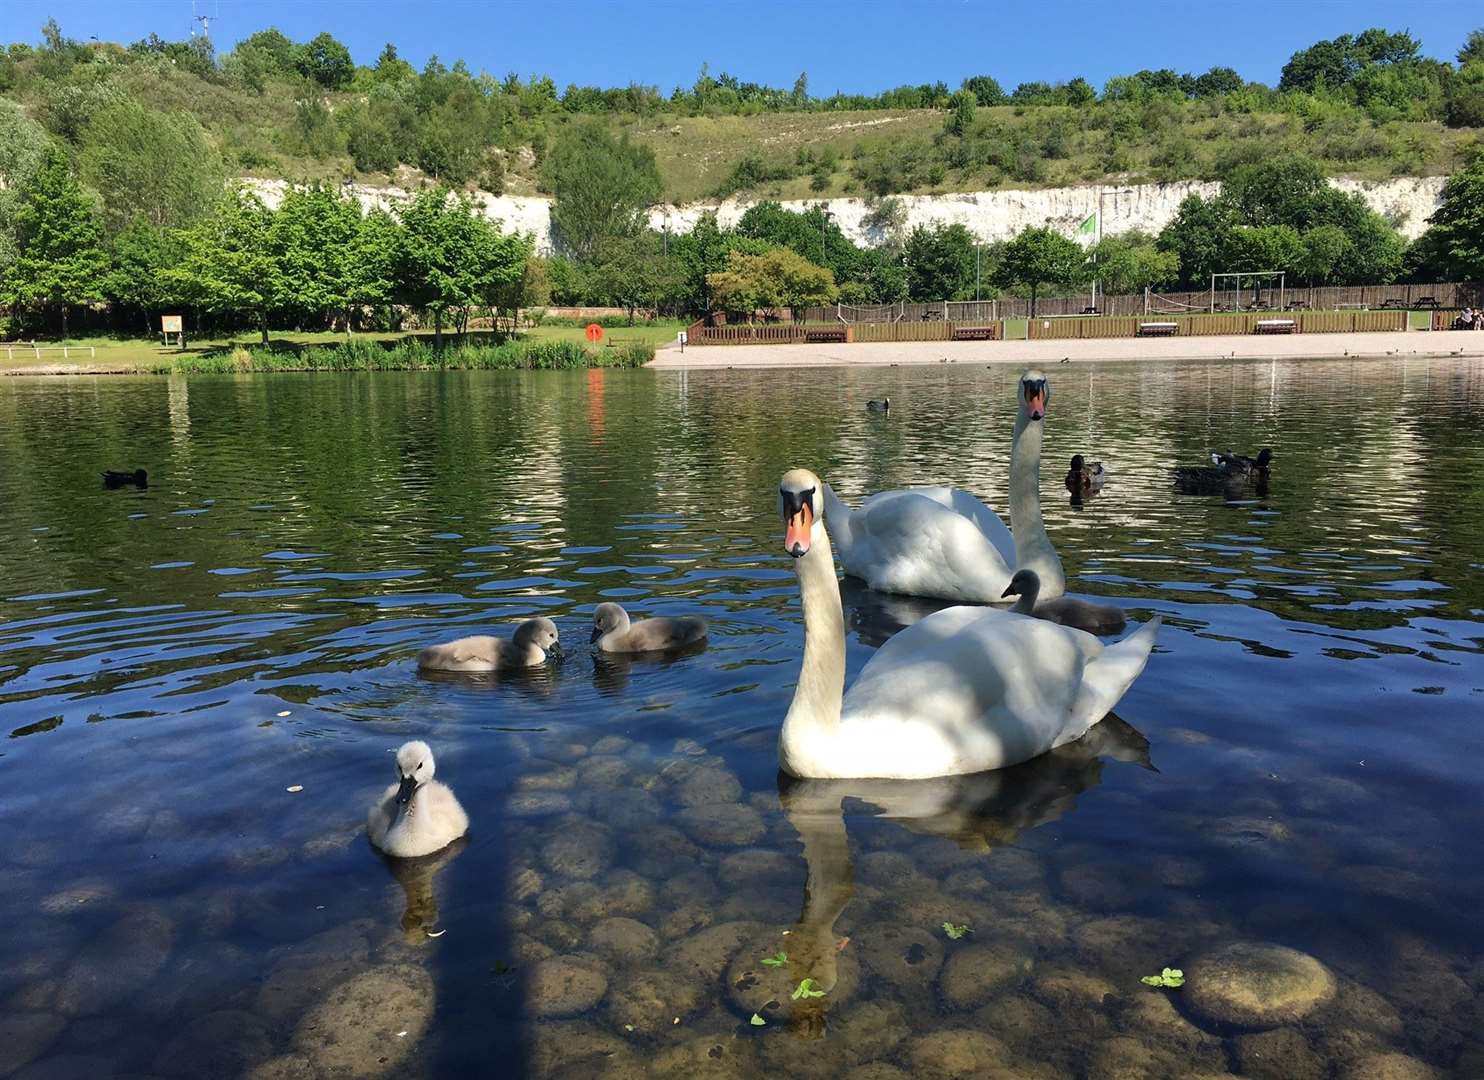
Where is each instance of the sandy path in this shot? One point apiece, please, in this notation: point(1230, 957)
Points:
point(1241, 347)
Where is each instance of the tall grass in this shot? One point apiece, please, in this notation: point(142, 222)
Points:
point(414, 355)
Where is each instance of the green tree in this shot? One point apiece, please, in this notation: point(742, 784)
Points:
point(451, 257)
point(139, 255)
point(812, 234)
point(601, 186)
point(1129, 262)
point(149, 164)
point(961, 112)
point(1266, 247)
point(1199, 237)
point(313, 241)
point(939, 262)
point(23, 143)
point(1326, 250)
point(59, 260)
point(271, 51)
point(1456, 238)
point(694, 256)
point(986, 90)
point(1465, 106)
point(326, 61)
point(632, 272)
point(1040, 257)
point(226, 263)
point(776, 278)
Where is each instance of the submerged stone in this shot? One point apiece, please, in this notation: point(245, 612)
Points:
point(579, 850)
point(25, 1036)
point(624, 941)
point(118, 963)
point(357, 1030)
point(722, 824)
point(975, 974)
point(1257, 985)
point(226, 1043)
point(564, 986)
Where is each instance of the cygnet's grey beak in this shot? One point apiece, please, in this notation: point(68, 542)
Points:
point(1010, 590)
point(405, 790)
point(595, 635)
point(555, 647)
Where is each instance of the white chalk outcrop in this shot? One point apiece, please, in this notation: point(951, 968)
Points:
point(990, 215)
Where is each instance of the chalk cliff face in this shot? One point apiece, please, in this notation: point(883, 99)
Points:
point(989, 215)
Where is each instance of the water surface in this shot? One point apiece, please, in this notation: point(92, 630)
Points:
point(1299, 764)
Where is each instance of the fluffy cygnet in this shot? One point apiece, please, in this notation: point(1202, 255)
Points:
point(526, 648)
point(613, 632)
point(1064, 610)
point(417, 815)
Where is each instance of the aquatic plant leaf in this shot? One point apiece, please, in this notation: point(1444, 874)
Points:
point(956, 932)
point(805, 989)
point(1153, 980)
point(757, 1021)
point(776, 961)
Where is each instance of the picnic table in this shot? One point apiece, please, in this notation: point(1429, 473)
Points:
point(1297, 305)
point(1428, 302)
point(1392, 303)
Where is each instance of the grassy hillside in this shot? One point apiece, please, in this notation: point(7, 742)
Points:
point(390, 124)
point(876, 152)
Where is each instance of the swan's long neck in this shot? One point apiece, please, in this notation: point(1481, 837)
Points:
point(814, 716)
point(1033, 548)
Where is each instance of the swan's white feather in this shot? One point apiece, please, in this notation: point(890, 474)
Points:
point(969, 689)
point(939, 542)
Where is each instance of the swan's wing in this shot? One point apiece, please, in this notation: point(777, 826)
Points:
point(968, 689)
point(913, 544)
point(1112, 672)
point(972, 507)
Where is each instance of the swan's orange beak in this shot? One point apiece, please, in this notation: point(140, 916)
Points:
point(1035, 403)
point(796, 538)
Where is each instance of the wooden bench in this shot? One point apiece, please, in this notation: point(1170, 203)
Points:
point(1275, 326)
point(825, 336)
point(974, 333)
point(1157, 329)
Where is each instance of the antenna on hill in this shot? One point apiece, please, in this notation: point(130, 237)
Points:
point(204, 20)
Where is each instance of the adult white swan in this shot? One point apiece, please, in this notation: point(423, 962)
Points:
point(944, 542)
point(964, 690)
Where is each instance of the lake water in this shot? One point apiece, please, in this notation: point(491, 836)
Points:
point(202, 683)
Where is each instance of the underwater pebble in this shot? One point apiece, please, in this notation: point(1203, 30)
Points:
point(224, 1043)
point(624, 941)
point(578, 849)
point(1390, 1066)
point(25, 1036)
point(905, 957)
point(116, 963)
point(352, 1032)
point(1256, 985)
point(957, 1054)
point(975, 974)
point(564, 986)
point(721, 824)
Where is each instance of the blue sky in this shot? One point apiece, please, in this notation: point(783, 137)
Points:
point(864, 46)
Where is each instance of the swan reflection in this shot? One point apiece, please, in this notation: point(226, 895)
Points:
point(420, 913)
point(979, 812)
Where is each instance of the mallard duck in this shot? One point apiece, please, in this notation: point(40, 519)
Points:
point(1084, 478)
point(138, 478)
point(1228, 473)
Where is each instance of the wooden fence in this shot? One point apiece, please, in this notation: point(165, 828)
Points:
point(820, 332)
point(1306, 322)
point(1338, 297)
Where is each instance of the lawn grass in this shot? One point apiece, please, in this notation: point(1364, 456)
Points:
point(659, 332)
